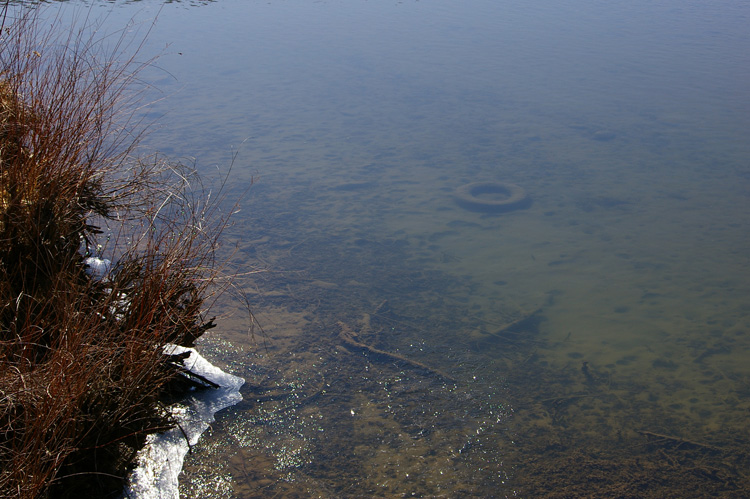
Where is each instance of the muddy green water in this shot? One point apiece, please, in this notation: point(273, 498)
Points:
point(593, 344)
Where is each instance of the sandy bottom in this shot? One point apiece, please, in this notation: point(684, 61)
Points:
point(595, 341)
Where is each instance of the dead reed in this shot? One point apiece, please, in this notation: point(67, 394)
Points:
point(82, 368)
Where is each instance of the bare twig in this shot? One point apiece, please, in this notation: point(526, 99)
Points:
point(349, 338)
point(678, 440)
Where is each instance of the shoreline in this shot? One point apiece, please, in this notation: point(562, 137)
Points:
point(83, 370)
point(159, 462)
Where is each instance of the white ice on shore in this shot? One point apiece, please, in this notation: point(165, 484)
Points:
point(97, 268)
point(160, 462)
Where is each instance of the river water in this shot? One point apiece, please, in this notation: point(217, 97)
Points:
point(593, 343)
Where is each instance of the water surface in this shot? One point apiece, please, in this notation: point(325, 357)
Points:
point(595, 342)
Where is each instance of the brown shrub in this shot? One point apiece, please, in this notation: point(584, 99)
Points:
point(82, 367)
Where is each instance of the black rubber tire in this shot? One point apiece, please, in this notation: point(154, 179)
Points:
point(515, 198)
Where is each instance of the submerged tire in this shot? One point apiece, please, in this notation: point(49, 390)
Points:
point(512, 197)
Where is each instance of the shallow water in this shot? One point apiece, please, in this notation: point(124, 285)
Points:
point(595, 342)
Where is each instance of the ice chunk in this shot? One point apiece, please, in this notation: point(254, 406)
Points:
point(97, 268)
point(160, 462)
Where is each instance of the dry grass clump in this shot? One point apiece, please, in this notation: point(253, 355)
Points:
point(82, 368)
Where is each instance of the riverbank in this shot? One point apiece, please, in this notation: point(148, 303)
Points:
point(83, 374)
